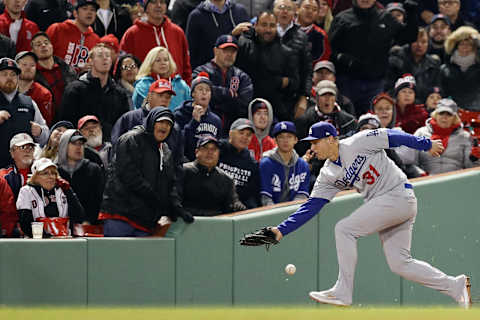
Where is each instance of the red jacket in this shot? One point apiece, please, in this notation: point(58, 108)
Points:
point(8, 209)
point(67, 42)
point(268, 143)
point(43, 98)
point(27, 30)
point(412, 118)
point(140, 38)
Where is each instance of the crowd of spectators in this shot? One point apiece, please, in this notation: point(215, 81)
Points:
point(118, 114)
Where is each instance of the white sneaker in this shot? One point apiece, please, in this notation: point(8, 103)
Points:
point(327, 297)
point(466, 298)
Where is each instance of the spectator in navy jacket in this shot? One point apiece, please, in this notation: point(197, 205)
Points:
point(207, 22)
point(194, 116)
point(232, 88)
point(284, 175)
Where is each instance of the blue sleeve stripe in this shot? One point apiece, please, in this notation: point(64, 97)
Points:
point(303, 192)
point(306, 212)
point(265, 193)
point(397, 138)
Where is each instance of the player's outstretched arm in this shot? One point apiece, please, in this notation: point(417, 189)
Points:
point(397, 138)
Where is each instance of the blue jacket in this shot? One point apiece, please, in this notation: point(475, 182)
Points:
point(227, 107)
point(210, 124)
point(181, 88)
point(206, 23)
point(275, 177)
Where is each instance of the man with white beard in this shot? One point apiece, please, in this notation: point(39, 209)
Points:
point(27, 61)
point(91, 128)
point(12, 179)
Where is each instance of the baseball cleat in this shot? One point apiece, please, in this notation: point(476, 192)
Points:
point(466, 297)
point(327, 297)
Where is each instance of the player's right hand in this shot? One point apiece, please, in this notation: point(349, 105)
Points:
point(437, 148)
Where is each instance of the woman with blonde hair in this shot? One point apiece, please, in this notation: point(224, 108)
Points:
point(445, 125)
point(159, 64)
point(47, 198)
point(324, 16)
point(460, 75)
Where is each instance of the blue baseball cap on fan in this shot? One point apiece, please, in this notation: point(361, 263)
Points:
point(284, 126)
point(321, 130)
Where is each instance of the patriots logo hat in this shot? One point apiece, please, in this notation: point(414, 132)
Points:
point(321, 130)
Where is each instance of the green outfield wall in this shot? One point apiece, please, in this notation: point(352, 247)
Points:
point(203, 263)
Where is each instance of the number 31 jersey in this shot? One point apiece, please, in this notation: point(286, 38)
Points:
point(362, 165)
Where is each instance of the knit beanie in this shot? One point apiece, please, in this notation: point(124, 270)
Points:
point(406, 81)
point(368, 118)
point(202, 77)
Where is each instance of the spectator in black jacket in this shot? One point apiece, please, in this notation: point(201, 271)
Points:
point(180, 11)
point(413, 58)
point(142, 186)
point(111, 19)
point(361, 38)
point(52, 72)
point(7, 47)
point(232, 89)
point(236, 161)
point(208, 190)
point(438, 31)
point(47, 12)
point(325, 70)
point(85, 177)
point(293, 37)
point(451, 8)
point(96, 93)
point(272, 66)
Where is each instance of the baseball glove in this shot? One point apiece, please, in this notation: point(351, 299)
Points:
point(264, 236)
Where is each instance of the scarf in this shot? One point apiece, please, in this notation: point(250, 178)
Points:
point(463, 62)
point(442, 133)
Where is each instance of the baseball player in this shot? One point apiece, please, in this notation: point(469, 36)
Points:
point(359, 162)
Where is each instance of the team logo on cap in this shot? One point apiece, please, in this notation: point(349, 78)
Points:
point(163, 84)
point(10, 63)
point(310, 131)
point(283, 126)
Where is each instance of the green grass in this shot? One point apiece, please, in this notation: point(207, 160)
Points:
point(241, 313)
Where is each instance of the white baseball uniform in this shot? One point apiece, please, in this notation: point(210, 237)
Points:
point(390, 208)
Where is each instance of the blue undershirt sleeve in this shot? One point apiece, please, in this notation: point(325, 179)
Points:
point(397, 138)
point(306, 212)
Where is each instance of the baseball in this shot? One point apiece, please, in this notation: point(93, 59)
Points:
point(290, 269)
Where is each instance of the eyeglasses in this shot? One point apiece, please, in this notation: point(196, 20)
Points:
point(41, 43)
point(129, 66)
point(285, 7)
point(25, 147)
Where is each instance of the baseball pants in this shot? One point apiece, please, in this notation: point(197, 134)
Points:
point(392, 215)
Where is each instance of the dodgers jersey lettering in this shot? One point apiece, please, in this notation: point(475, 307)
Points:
point(362, 165)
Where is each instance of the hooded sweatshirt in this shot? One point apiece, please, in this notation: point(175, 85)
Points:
point(86, 178)
point(27, 30)
point(256, 147)
point(206, 23)
point(70, 44)
point(144, 36)
point(280, 182)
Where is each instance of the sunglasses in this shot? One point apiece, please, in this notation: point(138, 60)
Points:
point(27, 147)
point(129, 66)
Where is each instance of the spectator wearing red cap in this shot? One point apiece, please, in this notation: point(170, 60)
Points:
point(232, 88)
point(260, 112)
point(72, 39)
point(96, 93)
point(16, 26)
point(112, 43)
point(27, 62)
point(91, 128)
point(195, 116)
point(159, 64)
point(111, 19)
point(52, 72)
point(159, 94)
point(409, 116)
point(158, 30)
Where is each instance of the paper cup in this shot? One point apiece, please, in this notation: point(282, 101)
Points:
point(37, 230)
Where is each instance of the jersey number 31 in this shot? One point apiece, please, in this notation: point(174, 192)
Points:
point(369, 175)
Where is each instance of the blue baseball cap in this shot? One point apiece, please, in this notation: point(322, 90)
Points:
point(284, 126)
point(321, 130)
point(225, 41)
point(442, 17)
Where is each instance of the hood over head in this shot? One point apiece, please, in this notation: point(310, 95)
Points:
point(261, 133)
point(154, 115)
